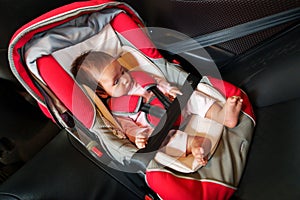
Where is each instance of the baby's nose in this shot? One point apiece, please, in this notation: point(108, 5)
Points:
point(124, 80)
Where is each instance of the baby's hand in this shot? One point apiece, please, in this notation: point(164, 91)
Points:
point(141, 140)
point(166, 87)
point(174, 91)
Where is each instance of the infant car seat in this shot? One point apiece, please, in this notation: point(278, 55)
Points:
point(40, 55)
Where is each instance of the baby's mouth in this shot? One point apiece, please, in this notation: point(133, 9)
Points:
point(130, 85)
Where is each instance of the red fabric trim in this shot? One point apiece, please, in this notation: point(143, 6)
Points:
point(228, 90)
point(25, 38)
point(168, 186)
point(46, 112)
point(60, 10)
point(19, 67)
point(66, 90)
point(97, 152)
point(125, 104)
point(24, 74)
point(22, 41)
point(127, 27)
point(143, 78)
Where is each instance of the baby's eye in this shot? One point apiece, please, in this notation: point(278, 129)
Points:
point(116, 82)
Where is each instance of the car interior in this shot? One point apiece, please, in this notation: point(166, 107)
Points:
point(40, 160)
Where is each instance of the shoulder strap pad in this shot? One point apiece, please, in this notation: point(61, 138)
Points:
point(125, 105)
point(143, 78)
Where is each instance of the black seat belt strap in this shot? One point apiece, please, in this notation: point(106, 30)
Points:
point(234, 32)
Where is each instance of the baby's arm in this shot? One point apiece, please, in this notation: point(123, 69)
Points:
point(136, 134)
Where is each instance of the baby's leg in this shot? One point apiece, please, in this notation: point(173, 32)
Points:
point(199, 147)
point(228, 114)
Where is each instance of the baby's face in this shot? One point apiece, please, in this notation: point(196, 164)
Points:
point(115, 80)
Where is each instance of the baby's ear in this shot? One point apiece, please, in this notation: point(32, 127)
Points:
point(102, 94)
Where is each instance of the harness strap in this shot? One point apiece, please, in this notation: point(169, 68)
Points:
point(132, 104)
point(129, 105)
point(161, 131)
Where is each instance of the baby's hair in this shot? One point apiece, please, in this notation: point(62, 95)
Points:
point(84, 67)
point(88, 61)
point(76, 65)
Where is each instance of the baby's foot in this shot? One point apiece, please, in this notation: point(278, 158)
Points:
point(231, 111)
point(199, 147)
